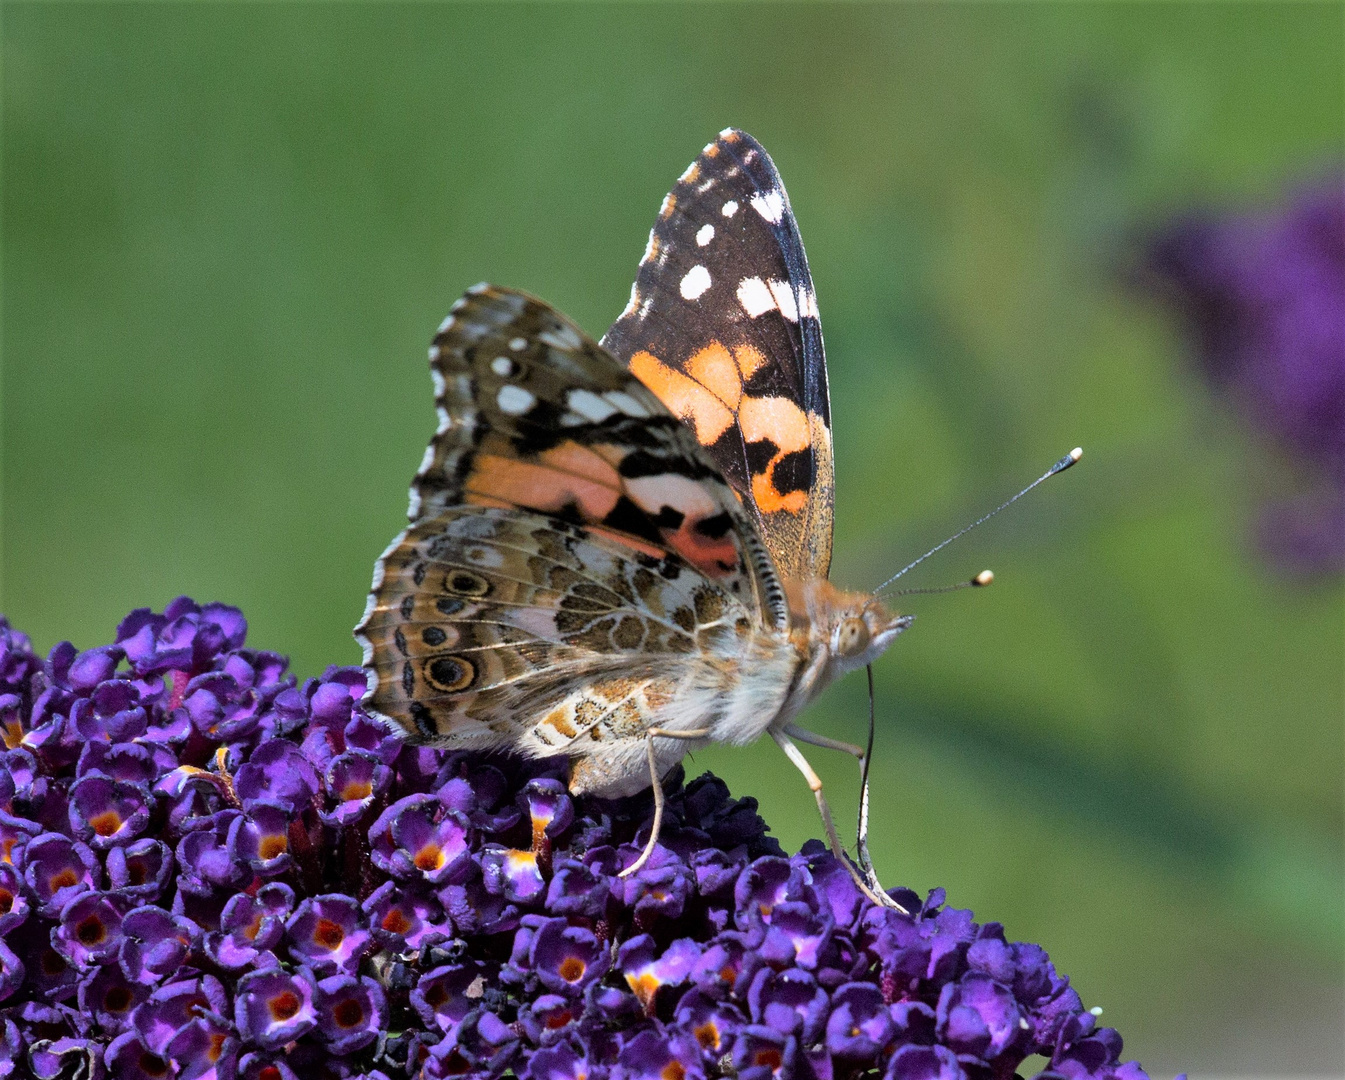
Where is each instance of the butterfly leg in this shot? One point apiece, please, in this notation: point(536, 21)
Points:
point(657, 784)
point(865, 863)
point(815, 783)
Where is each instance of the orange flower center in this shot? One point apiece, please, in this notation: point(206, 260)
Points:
point(572, 969)
point(356, 789)
point(284, 1005)
point(91, 930)
point(430, 857)
point(106, 823)
point(62, 879)
point(328, 934)
point(395, 922)
point(348, 1014)
point(707, 1034)
point(273, 846)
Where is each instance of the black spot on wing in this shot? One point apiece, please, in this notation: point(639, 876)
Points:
point(794, 472)
point(759, 455)
point(421, 717)
point(629, 518)
point(642, 463)
point(670, 518)
point(714, 527)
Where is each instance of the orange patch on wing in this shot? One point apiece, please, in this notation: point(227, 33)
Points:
point(573, 477)
point(558, 720)
point(713, 558)
point(786, 426)
point(570, 457)
point(715, 369)
point(668, 205)
point(777, 419)
point(750, 360)
point(772, 501)
point(685, 397)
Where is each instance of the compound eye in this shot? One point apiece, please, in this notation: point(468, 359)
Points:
point(852, 637)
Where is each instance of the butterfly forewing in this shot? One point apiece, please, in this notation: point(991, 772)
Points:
point(722, 325)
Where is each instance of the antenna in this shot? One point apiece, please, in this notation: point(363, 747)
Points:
point(1059, 467)
point(980, 581)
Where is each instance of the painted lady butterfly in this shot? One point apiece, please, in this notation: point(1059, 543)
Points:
point(619, 551)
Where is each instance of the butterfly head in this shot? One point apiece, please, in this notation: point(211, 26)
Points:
point(862, 630)
point(854, 628)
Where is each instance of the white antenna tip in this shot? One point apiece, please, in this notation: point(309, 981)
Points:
point(1076, 453)
point(984, 578)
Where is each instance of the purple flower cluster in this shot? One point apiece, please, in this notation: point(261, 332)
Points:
point(1263, 296)
point(208, 871)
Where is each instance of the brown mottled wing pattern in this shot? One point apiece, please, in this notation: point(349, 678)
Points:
point(571, 545)
point(722, 325)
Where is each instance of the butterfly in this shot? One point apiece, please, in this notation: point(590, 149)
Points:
point(618, 550)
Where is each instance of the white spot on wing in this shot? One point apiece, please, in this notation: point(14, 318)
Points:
point(589, 405)
point(514, 400)
point(807, 304)
point(426, 461)
point(770, 205)
point(755, 297)
point(562, 337)
point(687, 173)
point(726, 133)
point(649, 248)
point(784, 299)
point(704, 235)
point(437, 377)
point(518, 344)
point(627, 404)
point(697, 280)
point(502, 365)
point(479, 287)
point(665, 207)
point(448, 321)
point(730, 208)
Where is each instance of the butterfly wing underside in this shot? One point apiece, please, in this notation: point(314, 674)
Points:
point(722, 325)
point(572, 550)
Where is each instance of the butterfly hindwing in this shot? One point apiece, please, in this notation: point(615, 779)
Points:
point(573, 552)
point(722, 325)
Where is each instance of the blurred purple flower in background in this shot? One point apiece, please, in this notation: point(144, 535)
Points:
point(254, 879)
point(1263, 298)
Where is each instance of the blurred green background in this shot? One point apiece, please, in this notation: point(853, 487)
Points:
point(230, 231)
